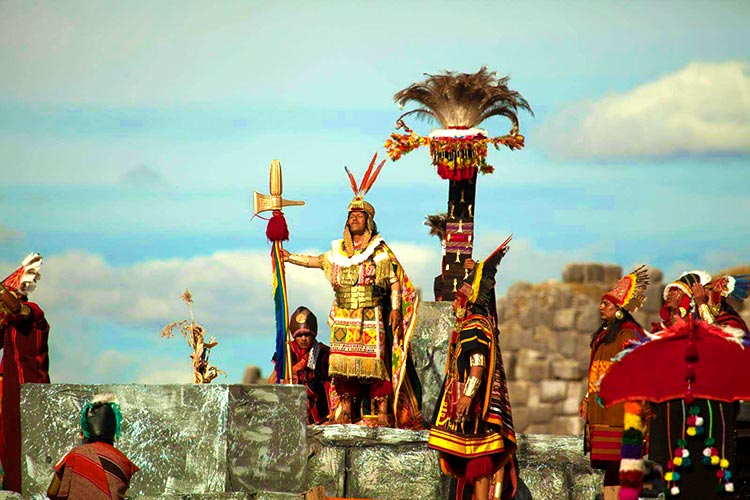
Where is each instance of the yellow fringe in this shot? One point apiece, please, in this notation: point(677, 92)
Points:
point(354, 367)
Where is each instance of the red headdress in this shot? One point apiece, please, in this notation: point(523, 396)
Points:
point(630, 292)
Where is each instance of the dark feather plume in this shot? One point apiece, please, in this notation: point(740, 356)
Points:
point(436, 223)
point(463, 99)
point(741, 287)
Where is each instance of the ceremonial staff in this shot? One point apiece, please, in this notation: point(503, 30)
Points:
point(278, 232)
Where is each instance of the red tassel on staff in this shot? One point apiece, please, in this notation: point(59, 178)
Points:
point(277, 229)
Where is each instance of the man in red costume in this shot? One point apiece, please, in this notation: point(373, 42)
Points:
point(25, 358)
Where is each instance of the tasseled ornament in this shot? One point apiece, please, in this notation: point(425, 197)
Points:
point(691, 353)
point(627, 493)
point(277, 229)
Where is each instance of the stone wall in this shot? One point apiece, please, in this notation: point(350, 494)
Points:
point(545, 331)
point(250, 442)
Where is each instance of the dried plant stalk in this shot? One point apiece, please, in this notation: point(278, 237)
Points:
point(194, 333)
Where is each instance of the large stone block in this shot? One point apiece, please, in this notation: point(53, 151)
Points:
point(571, 425)
point(565, 343)
point(593, 273)
point(543, 336)
point(553, 391)
point(565, 319)
point(521, 417)
point(583, 349)
point(541, 413)
point(531, 365)
point(384, 463)
point(567, 369)
point(527, 316)
point(178, 435)
point(511, 337)
point(429, 348)
point(519, 392)
point(572, 273)
point(568, 408)
point(265, 438)
point(654, 298)
point(655, 275)
point(554, 467)
point(612, 273)
point(589, 319)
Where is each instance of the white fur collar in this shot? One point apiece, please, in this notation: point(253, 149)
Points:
point(338, 257)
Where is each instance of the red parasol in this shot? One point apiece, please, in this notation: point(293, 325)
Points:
point(691, 359)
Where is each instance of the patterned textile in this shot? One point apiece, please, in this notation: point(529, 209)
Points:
point(488, 429)
point(25, 359)
point(603, 435)
point(362, 345)
point(95, 471)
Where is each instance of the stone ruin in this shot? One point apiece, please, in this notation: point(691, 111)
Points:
point(545, 332)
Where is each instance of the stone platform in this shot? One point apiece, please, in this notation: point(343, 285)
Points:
point(249, 442)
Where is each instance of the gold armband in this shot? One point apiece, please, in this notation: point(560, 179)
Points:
point(476, 359)
point(395, 301)
point(705, 313)
point(471, 386)
point(299, 259)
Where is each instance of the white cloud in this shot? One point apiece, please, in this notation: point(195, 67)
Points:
point(106, 319)
point(703, 109)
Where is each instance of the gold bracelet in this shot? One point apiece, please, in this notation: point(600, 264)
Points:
point(299, 259)
point(395, 301)
point(476, 359)
point(471, 386)
point(705, 313)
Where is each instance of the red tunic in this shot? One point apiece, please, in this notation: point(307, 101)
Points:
point(25, 360)
point(94, 471)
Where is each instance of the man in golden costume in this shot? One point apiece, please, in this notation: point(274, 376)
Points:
point(371, 320)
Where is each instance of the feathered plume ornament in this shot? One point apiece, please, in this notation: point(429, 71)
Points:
point(741, 287)
point(463, 100)
point(359, 203)
point(367, 180)
point(459, 102)
point(24, 279)
point(638, 295)
point(437, 224)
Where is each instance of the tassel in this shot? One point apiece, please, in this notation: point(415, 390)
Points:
point(478, 468)
point(277, 229)
point(691, 353)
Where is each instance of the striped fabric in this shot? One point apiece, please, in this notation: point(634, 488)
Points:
point(95, 471)
point(606, 443)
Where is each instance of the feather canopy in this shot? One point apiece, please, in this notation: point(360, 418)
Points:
point(463, 99)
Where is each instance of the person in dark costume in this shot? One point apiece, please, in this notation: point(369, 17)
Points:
point(309, 363)
point(472, 427)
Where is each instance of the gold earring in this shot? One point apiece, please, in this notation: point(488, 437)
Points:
point(619, 314)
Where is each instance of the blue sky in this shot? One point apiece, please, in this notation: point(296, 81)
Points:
point(132, 135)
